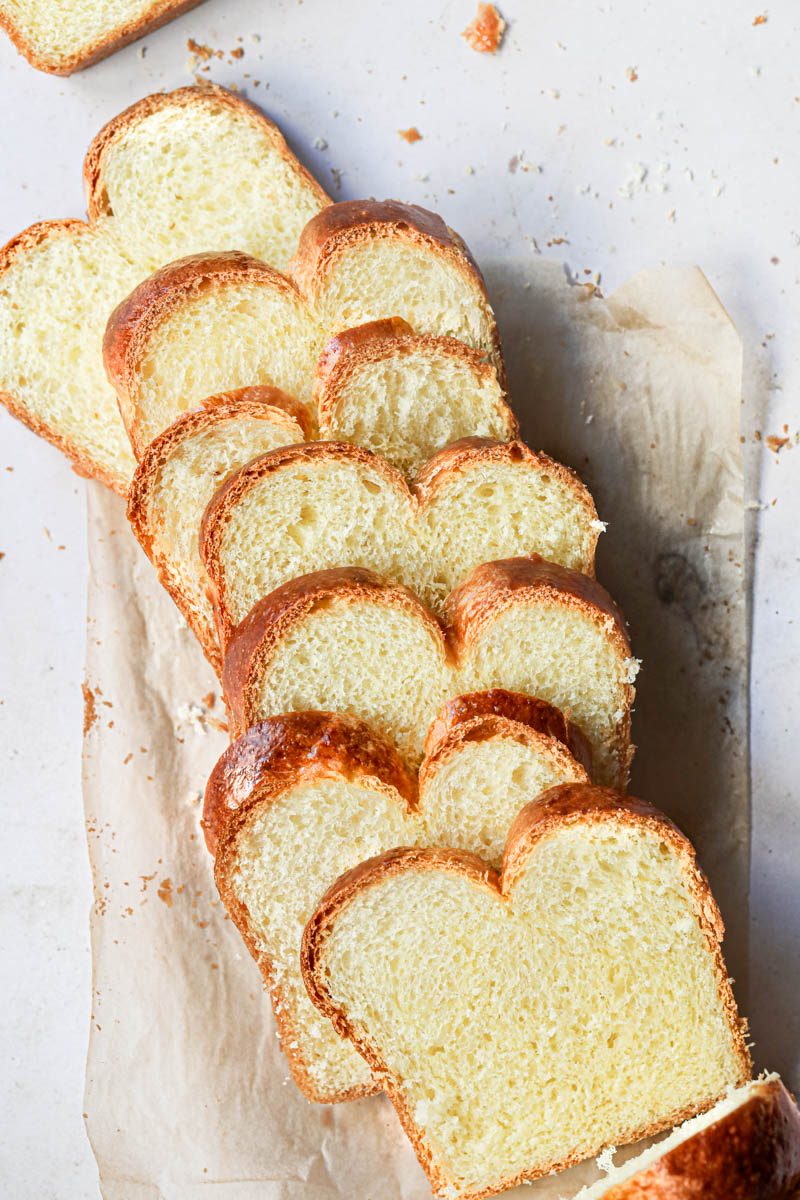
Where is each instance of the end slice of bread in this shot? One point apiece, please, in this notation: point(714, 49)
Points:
point(74, 37)
point(521, 1024)
point(367, 259)
point(349, 641)
point(331, 504)
point(172, 175)
point(207, 323)
point(407, 395)
point(747, 1147)
point(180, 471)
point(302, 797)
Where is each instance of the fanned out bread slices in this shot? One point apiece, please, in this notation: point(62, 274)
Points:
point(407, 395)
point(174, 175)
point(347, 640)
point(205, 323)
point(178, 474)
point(369, 259)
point(62, 38)
point(212, 322)
point(307, 508)
point(305, 796)
point(522, 1023)
point(747, 1147)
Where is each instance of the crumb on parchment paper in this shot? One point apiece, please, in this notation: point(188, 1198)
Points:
point(410, 135)
point(485, 32)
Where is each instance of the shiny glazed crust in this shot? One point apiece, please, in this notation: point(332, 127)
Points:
point(566, 804)
point(133, 322)
point(262, 403)
point(754, 1152)
point(437, 473)
point(351, 222)
point(161, 11)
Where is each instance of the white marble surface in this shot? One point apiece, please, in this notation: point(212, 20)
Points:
point(713, 116)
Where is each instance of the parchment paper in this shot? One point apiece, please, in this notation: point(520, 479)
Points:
point(187, 1093)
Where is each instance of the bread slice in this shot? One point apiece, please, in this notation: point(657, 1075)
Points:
point(306, 508)
point(367, 259)
point(348, 641)
point(207, 323)
point(407, 395)
point(180, 471)
point(522, 1023)
point(747, 1147)
point(61, 39)
point(173, 175)
point(304, 796)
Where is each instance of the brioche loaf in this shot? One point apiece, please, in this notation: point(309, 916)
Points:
point(369, 259)
point(747, 1147)
point(307, 508)
point(506, 1017)
point(62, 38)
point(348, 641)
point(303, 797)
point(205, 323)
point(180, 471)
point(173, 175)
point(407, 395)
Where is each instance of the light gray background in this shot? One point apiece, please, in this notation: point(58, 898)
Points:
point(547, 140)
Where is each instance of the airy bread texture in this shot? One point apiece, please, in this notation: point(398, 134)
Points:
point(60, 38)
point(307, 508)
point(506, 1018)
point(205, 323)
point(173, 175)
point(180, 471)
point(407, 395)
point(304, 797)
point(747, 1147)
point(370, 259)
point(349, 641)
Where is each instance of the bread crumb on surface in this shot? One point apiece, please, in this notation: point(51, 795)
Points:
point(776, 444)
point(410, 135)
point(197, 48)
point(631, 74)
point(761, 19)
point(485, 32)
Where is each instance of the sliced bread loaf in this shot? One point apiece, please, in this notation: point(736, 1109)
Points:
point(507, 1017)
point(369, 259)
point(173, 175)
point(307, 508)
point(747, 1147)
point(60, 38)
point(407, 395)
point(178, 474)
point(348, 641)
point(302, 797)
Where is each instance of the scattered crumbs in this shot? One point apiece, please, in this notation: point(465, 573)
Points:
point(471, 171)
point(691, 520)
point(165, 891)
point(774, 260)
point(202, 53)
point(127, 759)
point(485, 32)
point(255, 38)
point(609, 141)
point(238, 52)
point(89, 707)
point(554, 93)
point(2, 554)
point(776, 444)
point(631, 74)
point(637, 174)
point(337, 178)
point(761, 19)
point(142, 51)
point(48, 534)
point(558, 241)
point(672, 215)
point(755, 70)
point(320, 143)
point(410, 135)
point(209, 700)
point(689, 173)
point(194, 798)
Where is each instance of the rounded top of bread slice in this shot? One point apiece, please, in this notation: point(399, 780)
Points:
point(365, 259)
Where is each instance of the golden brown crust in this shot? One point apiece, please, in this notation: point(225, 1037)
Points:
point(133, 322)
point(31, 237)
point(126, 32)
point(260, 403)
point(571, 802)
point(296, 748)
point(117, 127)
point(752, 1153)
point(256, 638)
point(351, 222)
point(474, 715)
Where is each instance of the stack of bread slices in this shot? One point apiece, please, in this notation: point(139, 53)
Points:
point(420, 827)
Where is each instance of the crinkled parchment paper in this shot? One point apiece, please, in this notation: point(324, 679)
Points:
point(187, 1093)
